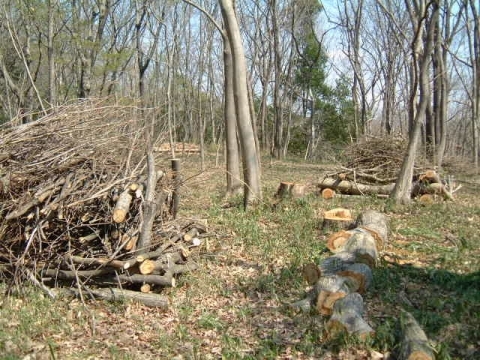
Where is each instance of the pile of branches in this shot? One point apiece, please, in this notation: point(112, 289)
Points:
point(374, 160)
point(72, 190)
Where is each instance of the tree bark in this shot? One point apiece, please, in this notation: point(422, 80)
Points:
point(234, 183)
point(251, 166)
point(353, 188)
point(421, 52)
point(413, 343)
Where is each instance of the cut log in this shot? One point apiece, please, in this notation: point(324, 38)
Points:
point(414, 343)
point(353, 188)
point(337, 240)
point(347, 317)
point(147, 267)
point(438, 188)
point(332, 288)
point(361, 273)
point(166, 280)
point(333, 264)
point(363, 246)
point(122, 207)
point(426, 199)
point(328, 193)
point(430, 176)
point(145, 288)
point(73, 275)
point(132, 242)
point(117, 264)
point(190, 234)
point(420, 188)
point(376, 224)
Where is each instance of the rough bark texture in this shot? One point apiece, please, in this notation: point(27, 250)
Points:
point(347, 316)
point(353, 188)
point(414, 343)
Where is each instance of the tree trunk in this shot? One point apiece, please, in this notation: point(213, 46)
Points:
point(251, 168)
point(234, 183)
point(421, 52)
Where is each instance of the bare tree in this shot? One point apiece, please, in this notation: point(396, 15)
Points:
point(251, 166)
point(423, 17)
point(473, 33)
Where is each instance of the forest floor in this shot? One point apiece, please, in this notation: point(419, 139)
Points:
point(236, 305)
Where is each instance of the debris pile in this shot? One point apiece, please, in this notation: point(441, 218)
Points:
point(73, 194)
point(372, 167)
point(374, 160)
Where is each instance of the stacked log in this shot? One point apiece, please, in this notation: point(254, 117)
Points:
point(340, 279)
point(429, 185)
point(79, 208)
point(178, 148)
point(426, 186)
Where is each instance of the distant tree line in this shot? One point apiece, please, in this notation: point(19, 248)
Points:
point(316, 75)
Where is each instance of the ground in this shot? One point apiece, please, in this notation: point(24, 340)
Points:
point(236, 305)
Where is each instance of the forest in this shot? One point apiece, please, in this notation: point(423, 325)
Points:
point(319, 74)
point(273, 179)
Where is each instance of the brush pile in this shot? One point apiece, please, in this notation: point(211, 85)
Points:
point(72, 190)
point(374, 160)
point(372, 167)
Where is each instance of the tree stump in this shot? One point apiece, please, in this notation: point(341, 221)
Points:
point(337, 219)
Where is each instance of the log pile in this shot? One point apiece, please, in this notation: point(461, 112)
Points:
point(179, 148)
point(339, 280)
point(372, 167)
point(73, 188)
point(426, 187)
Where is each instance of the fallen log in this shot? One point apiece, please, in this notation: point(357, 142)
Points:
point(354, 188)
point(414, 343)
point(166, 280)
point(114, 294)
point(337, 240)
point(376, 224)
point(362, 245)
point(339, 279)
point(347, 316)
point(361, 273)
point(338, 262)
point(332, 288)
point(118, 264)
point(73, 275)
